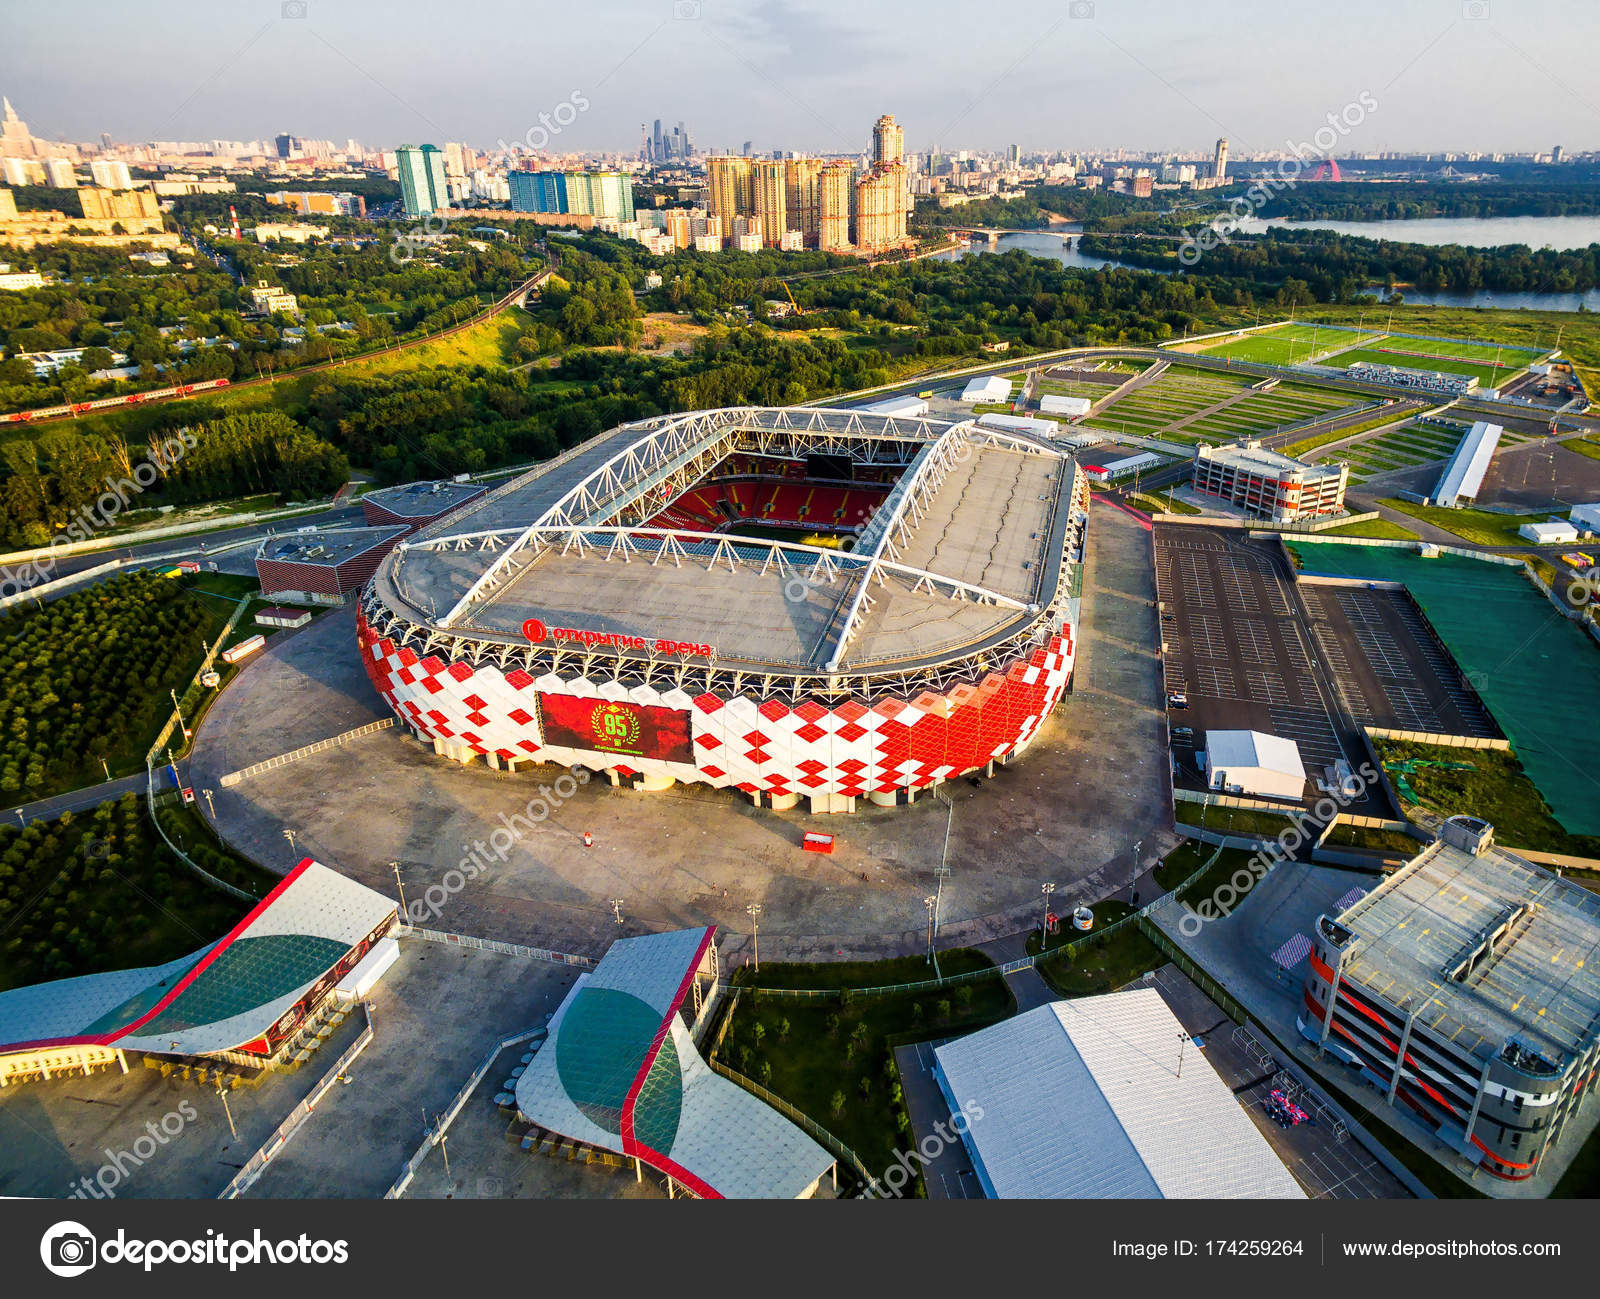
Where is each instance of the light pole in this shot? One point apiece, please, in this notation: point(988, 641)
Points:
point(754, 912)
point(1044, 922)
point(1183, 1039)
point(929, 902)
point(400, 884)
point(222, 1092)
point(210, 806)
point(1134, 878)
point(289, 835)
point(616, 910)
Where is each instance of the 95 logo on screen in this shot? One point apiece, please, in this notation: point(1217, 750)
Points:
point(615, 726)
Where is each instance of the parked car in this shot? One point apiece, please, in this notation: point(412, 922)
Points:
point(1177, 699)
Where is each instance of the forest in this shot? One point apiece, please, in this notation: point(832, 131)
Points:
point(86, 677)
point(1410, 200)
point(1340, 268)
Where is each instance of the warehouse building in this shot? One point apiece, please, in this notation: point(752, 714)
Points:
point(1255, 764)
point(323, 565)
point(1268, 483)
point(904, 405)
point(1463, 475)
point(417, 504)
point(1112, 470)
point(1553, 532)
point(1586, 517)
point(1466, 988)
point(1102, 1098)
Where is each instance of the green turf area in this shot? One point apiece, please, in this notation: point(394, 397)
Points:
point(831, 1057)
point(1585, 446)
point(1410, 358)
point(1465, 349)
point(98, 890)
point(1344, 835)
point(1287, 344)
point(1088, 965)
point(1531, 667)
point(1232, 820)
point(1155, 504)
point(1306, 445)
point(1483, 527)
point(1173, 396)
point(1497, 788)
point(1378, 529)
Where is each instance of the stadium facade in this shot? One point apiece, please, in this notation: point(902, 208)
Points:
point(797, 603)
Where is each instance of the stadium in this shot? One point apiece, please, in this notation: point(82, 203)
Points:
point(793, 602)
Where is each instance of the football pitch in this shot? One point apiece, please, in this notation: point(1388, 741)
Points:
point(1289, 344)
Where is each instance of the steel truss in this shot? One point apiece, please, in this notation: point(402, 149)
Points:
point(677, 451)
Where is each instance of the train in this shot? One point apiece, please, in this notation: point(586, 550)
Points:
point(104, 403)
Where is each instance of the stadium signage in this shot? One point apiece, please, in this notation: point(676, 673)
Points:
point(537, 633)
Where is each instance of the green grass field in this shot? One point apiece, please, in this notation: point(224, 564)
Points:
point(1479, 526)
point(1287, 344)
point(1378, 529)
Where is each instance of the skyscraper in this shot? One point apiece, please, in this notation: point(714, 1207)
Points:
point(834, 192)
point(728, 180)
point(423, 187)
point(802, 178)
point(16, 141)
point(768, 194)
point(1219, 167)
point(888, 142)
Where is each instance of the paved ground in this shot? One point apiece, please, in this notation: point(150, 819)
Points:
point(54, 1133)
point(1541, 476)
point(48, 809)
point(1069, 810)
point(949, 1174)
point(437, 1014)
point(1240, 647)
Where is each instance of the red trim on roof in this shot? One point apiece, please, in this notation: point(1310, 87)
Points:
point(107, 1039)
point(631, 1145)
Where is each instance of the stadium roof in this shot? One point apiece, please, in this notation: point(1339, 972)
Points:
point(1419, 937)
point(226, 994)
point(1084, 1099)
point(620, 1072)
point(1463, 475)
point(970, 557)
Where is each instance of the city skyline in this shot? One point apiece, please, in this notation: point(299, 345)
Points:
point(801, 78)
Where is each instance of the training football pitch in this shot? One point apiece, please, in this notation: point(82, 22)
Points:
point(1289, 344)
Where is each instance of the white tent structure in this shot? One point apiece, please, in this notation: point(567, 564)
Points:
point(1251, 762)
point(988, 388)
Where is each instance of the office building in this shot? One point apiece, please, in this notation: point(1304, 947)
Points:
point(1463, 989)
point(58, 172)
point(424, 187)
point(599, 194)
point(1219, 165)
point(1269, 483)
point(118, 205)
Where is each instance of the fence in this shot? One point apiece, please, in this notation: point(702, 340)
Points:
point(294, 755)
point(1439, 738)
point(494, 945)
point(246, 1177)
point(436, 1133)
point(161, 740)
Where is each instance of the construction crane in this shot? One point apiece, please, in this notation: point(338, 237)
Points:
point(797, 308)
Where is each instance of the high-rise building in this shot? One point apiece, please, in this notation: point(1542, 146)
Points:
point(834, 194)
point(728, 180)
point(110, 174)
point(1219, 166)
point(287, 146)
point(802, 178)
point(538, 191)
point(59, 173)
point(888, 142)
point(1557, 154)
point(881, 208)
point(423, 185)
point(601, 194)
point(1014, 154)
point(768, 197)
point(16, 141)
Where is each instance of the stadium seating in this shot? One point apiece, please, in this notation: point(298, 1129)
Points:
point(714, 503)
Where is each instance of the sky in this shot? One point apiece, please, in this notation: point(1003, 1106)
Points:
point(813, 75)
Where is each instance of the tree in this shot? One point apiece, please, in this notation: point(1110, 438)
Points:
point(836, 1104)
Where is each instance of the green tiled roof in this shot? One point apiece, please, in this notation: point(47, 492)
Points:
point(250, 972)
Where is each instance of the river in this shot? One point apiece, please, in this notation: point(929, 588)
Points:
point(1558, 232)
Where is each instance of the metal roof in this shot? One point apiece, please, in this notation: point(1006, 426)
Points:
point(620, 1071)
point(326, 547)
point(218, 998)
point(424, 500)
point(1463, 475)
point(1084, 1099)
point(1418, 937)
point(1232, 750)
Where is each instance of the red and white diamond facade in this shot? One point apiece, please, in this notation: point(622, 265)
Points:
point(627, 607)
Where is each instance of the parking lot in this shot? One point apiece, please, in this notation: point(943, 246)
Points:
point(1389, 665)
point(1238, 647)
